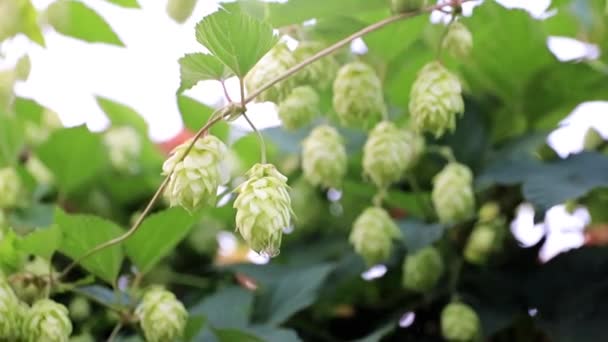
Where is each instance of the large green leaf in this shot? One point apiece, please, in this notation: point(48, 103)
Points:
point(11, 139)
point(272, 334)
point(121, 115)
point(196, 67)
point(106, 296)
point(125, 3)
point(36, 215)
point(28, 22)
point(42, 242)
point(417, 235)
point(81, 233)
point(74, 155)
point(75, 19)
point(158, 236)
point(196, 114)
point(229, 308)
point(236, 39)
point(231, 335)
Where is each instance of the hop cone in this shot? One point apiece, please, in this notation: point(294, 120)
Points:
point(400, 6)
point(435, 100)
point(180, 10)
point(162, 317)
point(124, 146)
point(458, 41)
point(195, 179)
point(358, 98)
point(422, 270)
point(373, 234)
point(273, 64)
point(389, 152)
point(9, 318)
point(263, 208)
point(324, 159)
point(299, 108)
point(460, 323)
point(10, 188)
point(319, 74)
point(452, 194)
point(48, 321)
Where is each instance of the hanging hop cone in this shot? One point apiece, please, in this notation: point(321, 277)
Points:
point(422, 270)
point(458, 41)
point(10, 188)
point(373, 234)
point(124, 147)
point(400, 6)
point(263, 209)
point(435, 100)
point(358, 99)
point(324, 160)
point(487, 236)
point(195, 179)
point(9, 313)
point(180, 10)
point(389, 152)
point(459, 323)
point(278, 60)
point(47, 320)
point(161, 316)
point(452, 195)
point(319, 74)
point(299, 108)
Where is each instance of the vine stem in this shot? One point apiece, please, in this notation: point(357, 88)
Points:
point(115, 332)
point(244, 101)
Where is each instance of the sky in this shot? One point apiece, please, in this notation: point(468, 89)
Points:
point(68, 74)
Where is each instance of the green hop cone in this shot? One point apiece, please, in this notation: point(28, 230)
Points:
point(124, 147)
point(263, 209)
point(319, 74)
point(196, 178)
point(373, 234)
point(458, 41)
point(324, 160)
point(358, 99)
point(47, 320)
point(80, 309)
point(460, 323)
point(422, 270)
point(278, 60)
point(299, 108)
point(9, 318)
point(10, 188)
point(489, 212)
point(180, 10)
point(435, 100)
point(389, 152)
point(400, 6)
point(162, 317)
point(452, 195)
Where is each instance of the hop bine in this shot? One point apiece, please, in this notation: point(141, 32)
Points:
point(319, 74)
point(276, 62)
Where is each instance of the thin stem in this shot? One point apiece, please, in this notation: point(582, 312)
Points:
point(443, 151)
point(260, 138)
point(223, 82)
point(115, 332)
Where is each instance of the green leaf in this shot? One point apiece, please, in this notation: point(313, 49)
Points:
point(73, 18)
point(106, 296)
point(228, 308)
point(272, 334)
point(417, 235)
point(29, 23)
point(236, 39)
point(377, 335)
point(158, 236)
point(121, 115)
point(196, 114)
point(42, 242)
point(382, 42)
point(74, 155)
point(125, 3)
point(11, 140)
point(81, 233)
point(293, 292)
point(231, 335)
point(36, 215)
point(196, 67)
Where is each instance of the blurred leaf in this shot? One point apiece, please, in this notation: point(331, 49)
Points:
point(232, 335)
point(273, 334)
point(402, 71)
point(195, 114)
point(382, 42)
point(34, 216)
point(157, 237)
point(228, 308)
point(106, 296)
point(122, 115)
point(292, 292)
point(126, 3)
point(236, 39)
point(377, 335)
point(42, 242)
point(74, 155)
point(417, 235)
point(247, 148)
point(193, 327)
point(11, 140)
point(73, 18)
point(196, 67)
point(28, 22)
point(81, 233)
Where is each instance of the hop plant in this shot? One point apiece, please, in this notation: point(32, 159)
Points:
point(452, 194)
point(358, 99)
point(324, 160)
point(319, 74)
point(38, 132)
point(400, 6)
point(458, 41)
point(299, 108)
point(389, 152)
point(278, 60)
point(124, 146)
point(195, 179)
point(435, 100)
point(180, 10)
point(373, 234)
point(422, 270)
point(39, 171)
point(9, 318)
point(460, 323)
point(10, 188)
point(47, 320)
point(162, 317)
point(480, 244)
point(263, 208)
